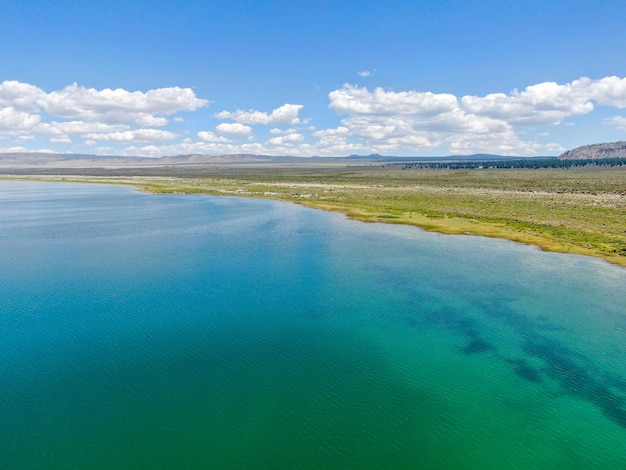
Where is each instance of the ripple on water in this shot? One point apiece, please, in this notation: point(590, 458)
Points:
point(188, 331)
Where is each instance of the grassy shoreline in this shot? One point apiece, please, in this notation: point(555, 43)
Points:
point(581, 211)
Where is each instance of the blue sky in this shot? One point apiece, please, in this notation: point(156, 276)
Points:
point(328, 78)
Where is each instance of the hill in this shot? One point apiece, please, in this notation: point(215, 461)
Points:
point(596, 151)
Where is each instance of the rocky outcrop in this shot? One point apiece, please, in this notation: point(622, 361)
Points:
point(596, 151)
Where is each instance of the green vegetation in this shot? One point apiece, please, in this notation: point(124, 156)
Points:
point(533, 163)
point(575, 210)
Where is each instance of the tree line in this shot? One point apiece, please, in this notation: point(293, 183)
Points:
point(531, 163)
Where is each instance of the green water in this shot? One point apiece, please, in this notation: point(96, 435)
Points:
point(143, 331)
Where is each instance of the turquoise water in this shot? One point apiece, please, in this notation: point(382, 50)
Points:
point(145, 331)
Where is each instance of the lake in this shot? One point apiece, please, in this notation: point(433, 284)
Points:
point(179, 331)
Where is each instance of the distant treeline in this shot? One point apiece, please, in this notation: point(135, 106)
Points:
point(514, 163)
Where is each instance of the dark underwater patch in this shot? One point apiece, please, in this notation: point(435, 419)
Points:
point(477, 346)
point(573, 371)
point(455, 321)
point(578, 380)
point(523, 370)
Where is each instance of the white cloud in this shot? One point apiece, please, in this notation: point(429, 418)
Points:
point(387, 134)
point(77, 127)
point(18, 149)
point(544, 103)
point(22, 96)
point(340, 131)
point(234, 129)
point(335, 141)
point(351, 99)
point(115, 106)
point(151, 121)
point(95, 115)
point(208, 136)
point(549, 102)
point(60, 140)
point(279, 131)
point(388, 121)
point(377, 120)
point(401, 121)
point(365, 73)
point(286, 139)
point(504, 143)
point(61, 132)
point(286, 114)
point(416, 122)
point(618, 121)
point(609, 91)
point(137, 135)
point(209, 148)
point(13, 119)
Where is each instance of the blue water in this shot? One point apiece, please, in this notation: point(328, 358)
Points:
point(171, 331)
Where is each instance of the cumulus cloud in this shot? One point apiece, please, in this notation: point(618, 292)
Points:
point(285, 114)
point(340, 131)
point(14, 119)
point(387, 121)
point(367, 120)
point(288, 139)
point(608, 91)
point(384, 134)
point(58, 128)
point(104, 106)
point(234, 129)
point(17, 149)
point(151, 121)
point(544, 103)
point(365, 73)
point(405, 120)
point(210, 148)
point(337, 141)
point(208, 136)
point(136, 135)
point(63, 131)
point(506, 142)
point(22, 96)
point(277, 130)
point(94, 115)
point(119, 105)
point(549, 102)
point(351, 99)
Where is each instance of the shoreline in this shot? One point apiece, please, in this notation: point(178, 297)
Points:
point(450, 226)
point(357, 208)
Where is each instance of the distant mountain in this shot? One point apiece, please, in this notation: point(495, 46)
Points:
point(596, 151)
point(48, 162)
point(56, 160)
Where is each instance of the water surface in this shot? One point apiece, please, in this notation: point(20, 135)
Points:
point(154, 331)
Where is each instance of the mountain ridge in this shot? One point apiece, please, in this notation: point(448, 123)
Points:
point(59, 160)
point(596, 151)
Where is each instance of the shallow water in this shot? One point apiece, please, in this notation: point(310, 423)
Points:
point(153, 331)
